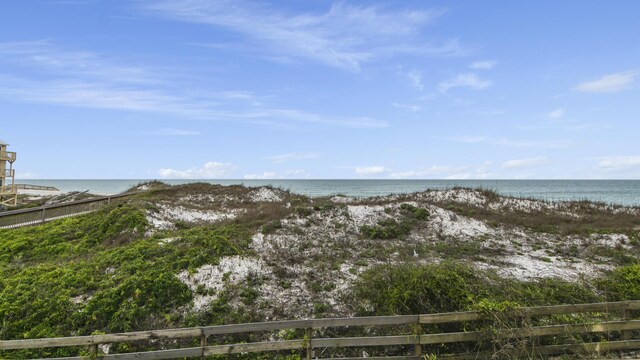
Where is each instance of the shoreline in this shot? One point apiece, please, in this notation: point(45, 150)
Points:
point(611, 192)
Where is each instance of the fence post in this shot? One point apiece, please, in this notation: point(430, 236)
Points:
point(203, 343)
point(94, 350)
point(417, 330)
point(309, 336)
point(42, 216)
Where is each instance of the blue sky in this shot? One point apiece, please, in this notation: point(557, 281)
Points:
point(321, 89)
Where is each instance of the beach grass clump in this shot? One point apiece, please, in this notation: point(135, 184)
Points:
point(622, 283)
point(456, 286)
point(391, 228)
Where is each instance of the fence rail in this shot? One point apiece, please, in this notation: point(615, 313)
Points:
point(8, 189)
point(627, 327)
point(9, 156)
point(36, 187)
point(42, 214)
point(7, 173)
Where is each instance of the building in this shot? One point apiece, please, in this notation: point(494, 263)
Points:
point(8, 189)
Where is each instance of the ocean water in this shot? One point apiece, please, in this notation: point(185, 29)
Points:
point(622, 192)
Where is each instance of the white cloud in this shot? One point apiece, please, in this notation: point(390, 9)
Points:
point(264, 175)
point(292, 156)
point(345, 36)
point(83, 79)
point(508, 142)
point(467, 80)
point(370, 170)
point(617, 163)
point(524, 163)
point(483, 65)
point(557, 114)
point(174, 132)
point(429, 171)
point(297, 174)
point(210, 170)
point(468, 139)
point(408, 107)
point(608, 83)
point(415, 77)
point(73, 63)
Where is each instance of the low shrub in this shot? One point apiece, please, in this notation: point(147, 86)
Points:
point(621, 284)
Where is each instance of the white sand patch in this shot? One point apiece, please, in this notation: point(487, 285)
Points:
point(39, 193)
point(366, 214)
point(80, 299)
point(452, 225)
point(208, 200)
point(167, 240)
point(167, 215)
point(265, 194)
point(157, 222)
point(231, 269)
point(537, 265)
point(478, 199)
point(465, 196)
point(612, 240)
point(342, 199)
point(191, 215)
point(104, 348)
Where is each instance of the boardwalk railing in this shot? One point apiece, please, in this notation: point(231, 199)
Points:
point(36, 187)
point(8, 156)
point(41, 214)
point(624, 331)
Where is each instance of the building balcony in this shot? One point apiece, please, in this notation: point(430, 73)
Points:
point(8, 190)
point(7, 173)
point(9, 156)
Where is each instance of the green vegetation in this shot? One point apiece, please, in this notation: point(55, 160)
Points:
point(622, 283)
point(108, 271)
point(455, 286)
point(391, 228)
point(98, 272)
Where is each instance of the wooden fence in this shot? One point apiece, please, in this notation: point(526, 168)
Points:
point(36, 187)
point(623, 335)
point(41, 214)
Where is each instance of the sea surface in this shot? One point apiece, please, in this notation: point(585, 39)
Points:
point(622, 192)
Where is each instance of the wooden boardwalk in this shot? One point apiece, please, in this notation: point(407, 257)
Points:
point(622, 331)
point(42, 214)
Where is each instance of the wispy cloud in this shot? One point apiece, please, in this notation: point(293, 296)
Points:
point(292, 156)
point(423, 172)
point(609, 83)
point(467, 80)
point(618, 163)
point(370, 170)
point(210, 170)
point(173, 132)
point(509, 142)
point(44, 55)
point(345, 36)
point(468, 139)
point(483, 65)
point(415, 77)
point(408, 107)
point(297, 174)
point(557, 114)
point(525, 163)
point(264, 175)
point(83, 79)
